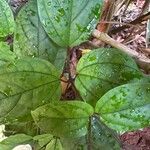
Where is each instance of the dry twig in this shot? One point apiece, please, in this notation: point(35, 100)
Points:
point(141, 59)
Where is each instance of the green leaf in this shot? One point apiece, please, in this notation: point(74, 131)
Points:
point(14, 140)
point(143, 79)
point(102, 137)
point(5, 54)
point(28, 127)
point(69, 22)
point(101, 70)
point(98, 137)
point(4, 45)
point(48, 142)
point(76, 143)
point(25, 85)
point(7, 23)
point(63, 119)
point(43, 140)
point(32, 40)
point(54, 144)
point(126, 107)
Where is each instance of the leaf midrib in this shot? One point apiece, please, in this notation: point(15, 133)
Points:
point(36, 87)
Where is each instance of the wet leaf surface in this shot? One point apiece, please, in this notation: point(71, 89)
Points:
point(99, 136)
point(25, 85)
point(103, 69)
point(126, 107)
point(63, 119)
point(69, 22)
point(32, 40)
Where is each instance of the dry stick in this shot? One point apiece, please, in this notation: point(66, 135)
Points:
point(141, 59)
point(134, 22)
point(145, 6)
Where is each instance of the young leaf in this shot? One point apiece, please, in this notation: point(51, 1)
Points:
point(25, 85)
point(5, 54)
point(27, 127)
point(126, 107)
point(43, 139)
point(69, 22)
point(63, 119)
point(7, 23)
point(14, 140)
point(31, 39)
point(98, 137)
point(54, 144)
point(76, 143)
point(101, 70)
point(101, 137)
point(143, 79)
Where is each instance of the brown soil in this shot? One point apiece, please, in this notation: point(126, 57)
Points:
point(138, 140)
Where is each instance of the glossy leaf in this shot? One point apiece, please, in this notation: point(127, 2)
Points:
point(14, 140)
point(69, 22)
point(32, 40)
point(54, 144)
point(64, 119)
point(102, 137)
point(7, 23)
point(25, 85)
point(98, 137)
point(126, 107)
point(101, 70)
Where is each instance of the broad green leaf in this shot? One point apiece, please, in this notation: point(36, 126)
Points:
point(98, 137)
point(7, 23)
point(143, 79)
point(69, 22)
point(28, 127)
point(103, 69)
point(43, 139)
point(76, 143)
point(4, 45)
point(32, 40)
point(48, 142)
point(14, 140)
point(126, 107)
point(102, 137)
point(63, 119)
point(25, 85)
point(5, 54)
point(54, 144)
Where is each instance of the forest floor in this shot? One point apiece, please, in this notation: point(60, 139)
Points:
point(135, 39)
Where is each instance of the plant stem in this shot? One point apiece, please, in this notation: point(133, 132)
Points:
point(89, 147)
point(71, 80)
